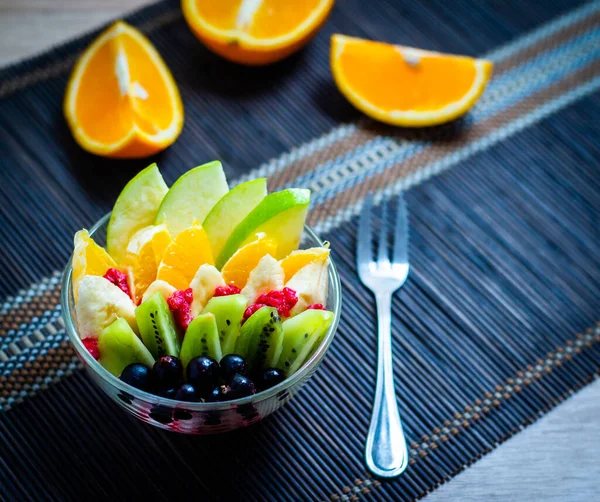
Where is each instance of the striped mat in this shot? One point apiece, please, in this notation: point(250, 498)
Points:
point(497, 323)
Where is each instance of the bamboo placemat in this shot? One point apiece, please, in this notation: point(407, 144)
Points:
point(496, 324)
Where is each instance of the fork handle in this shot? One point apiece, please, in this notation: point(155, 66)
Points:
point(386, 455)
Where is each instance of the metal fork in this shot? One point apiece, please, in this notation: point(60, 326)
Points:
point(386, 454)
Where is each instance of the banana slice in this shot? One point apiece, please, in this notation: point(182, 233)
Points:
point(266, 276)
point(204, 283)
point(99, 303)
point(310, 284)
point(163, 286)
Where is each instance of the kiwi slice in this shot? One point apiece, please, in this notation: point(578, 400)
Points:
point(201, 339)
point(301, 335)
point(261, 339)
point(119, 347)
point(157, 326)
point(228, 311)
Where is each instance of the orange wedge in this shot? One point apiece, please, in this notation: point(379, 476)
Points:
point(255, 32)
point(406, 86)
point(300, 258)
point(144, 254)
point(237, 269)
point(121, 99)
point(183, 257)
point(88, 259)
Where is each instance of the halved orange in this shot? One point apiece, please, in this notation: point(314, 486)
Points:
point(88, 259)
point(300, 258)
point(255, 32)
point(144, 254)
point(237, 269)
point(183, 257)
point(121, 99)
point(405, 86)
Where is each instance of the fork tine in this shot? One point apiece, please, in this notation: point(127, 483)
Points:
point(364, 232)
point(401, 232)
point(382, 251)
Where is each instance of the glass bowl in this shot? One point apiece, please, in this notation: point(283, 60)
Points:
point(197, 418)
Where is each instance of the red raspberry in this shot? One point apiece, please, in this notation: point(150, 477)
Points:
point(291, 298)
point(119, 279)
point(250, 310)
point(283, 300)
point(91, 344)
point(179, 303)
point(230, 289)
point(316, 306)
point(272, 298)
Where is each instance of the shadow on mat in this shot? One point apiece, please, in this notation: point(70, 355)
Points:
point(108, 443)
point(450, 132)
point(332, 102)
point(206, 81)
point(102, 179)
point(207, 75)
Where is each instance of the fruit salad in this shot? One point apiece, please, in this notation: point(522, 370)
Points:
point(202, 293)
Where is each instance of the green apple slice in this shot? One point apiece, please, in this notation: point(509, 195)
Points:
point(279, 215)
point(135, 209)
point(233, 207)
point(192, 197)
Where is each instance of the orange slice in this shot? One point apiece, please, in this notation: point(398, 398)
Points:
point(144, 254)
point(237, 269)
point(255, 32)
point(300, 258)
point(88, 259)
point(183, 257)
point(121, 99)
point(406, 86)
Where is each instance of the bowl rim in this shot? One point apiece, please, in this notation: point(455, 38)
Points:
point(264, 395)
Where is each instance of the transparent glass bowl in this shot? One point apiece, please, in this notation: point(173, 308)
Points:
point(197, 418)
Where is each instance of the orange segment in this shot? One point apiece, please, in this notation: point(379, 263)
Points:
point(160, 243)
point(121, 99)
point(278, 18)
point(88, 259)
point(237, 269)
point(144, 253)
point(300, 258)
point(183, 257)
point(221, 15)
point(255, 32)
point(406, 86)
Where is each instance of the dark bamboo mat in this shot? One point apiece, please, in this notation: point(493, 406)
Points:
point(495, 326)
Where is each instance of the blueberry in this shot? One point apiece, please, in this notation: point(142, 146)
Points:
point(250, 416)
point(126, 398)
point(239, 386)
point(246, 410)
point(183, 415)
point(187, 392)
point(168, 393)
point(270, 378)
point(162, 414)
point(203, 373)
point(137, 375)
point(214, 395)
point(212, 420)
point(232, 364)
point(168, 372)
